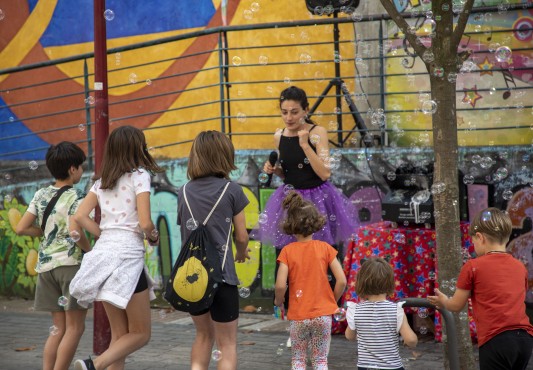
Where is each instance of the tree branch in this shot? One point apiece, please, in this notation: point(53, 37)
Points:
point(404, 26)
point(461, 24)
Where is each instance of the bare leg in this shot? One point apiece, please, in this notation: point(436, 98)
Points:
point(75, 325)
point(203, 342)
point(226, 338)
point(130, 330)
point(53, 340)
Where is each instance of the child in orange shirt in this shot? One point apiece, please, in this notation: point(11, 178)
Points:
point(304, 264)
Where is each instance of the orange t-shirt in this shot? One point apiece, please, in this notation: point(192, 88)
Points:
point(497, 284)
point(310, 294)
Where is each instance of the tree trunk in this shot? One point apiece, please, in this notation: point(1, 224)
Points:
point(446, 203)
point(442, 61)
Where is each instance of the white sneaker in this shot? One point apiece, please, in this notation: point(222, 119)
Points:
point(289, 344)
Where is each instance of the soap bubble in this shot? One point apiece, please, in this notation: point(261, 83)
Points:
point(241, 117)
point(81, 127)
point(423, 330)
point(109, 15)
point(62, 301)
point(452, 77)
point(486, 216)
point(75, 236)
point(288, 188)
point(263, 60)
point(255, 7)
point(279, 351)
point(507, 194)
point(33, 165)
point(501, 173)
point(54, 330)
point(314, 139)
point(244, 292)
point(503, 54)
point(438, 187)
point(154, 234)
point(299, 293)
point(340, 314)
point(468, 179)
point(305, 58)
point(2, 14)
point(399, 238)
point(263, 177)
point(262, 219)
point(191, 224)
point(429, 107)
point(248, 14)
point(391, 176)
point(422, 312)
point(236, 61)
point(216, 355)
point(132, 78)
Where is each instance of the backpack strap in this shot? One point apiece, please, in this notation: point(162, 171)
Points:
point(209, 216)
point(52, 204)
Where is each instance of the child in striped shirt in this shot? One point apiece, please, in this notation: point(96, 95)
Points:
point(375, 321)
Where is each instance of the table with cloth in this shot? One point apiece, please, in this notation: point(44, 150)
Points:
point(412, 253)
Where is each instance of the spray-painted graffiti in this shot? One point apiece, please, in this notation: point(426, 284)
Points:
point(364, 176)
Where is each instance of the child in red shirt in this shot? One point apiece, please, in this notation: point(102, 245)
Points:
point(305, 263)
point(497, 284)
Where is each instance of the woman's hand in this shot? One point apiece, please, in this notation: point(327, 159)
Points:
point(303, 138)
point(268, 168)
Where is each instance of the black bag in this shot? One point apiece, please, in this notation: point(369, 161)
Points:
point(197, 272)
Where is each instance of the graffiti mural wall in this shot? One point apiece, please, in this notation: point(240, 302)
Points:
point(364, 176)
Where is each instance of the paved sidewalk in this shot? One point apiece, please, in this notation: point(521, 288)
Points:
point(261, 342)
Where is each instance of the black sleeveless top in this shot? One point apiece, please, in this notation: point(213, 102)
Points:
point(296, 167)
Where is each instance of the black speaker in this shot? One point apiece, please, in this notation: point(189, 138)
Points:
point(326, 7)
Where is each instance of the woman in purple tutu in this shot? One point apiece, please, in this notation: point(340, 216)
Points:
point(304, 167)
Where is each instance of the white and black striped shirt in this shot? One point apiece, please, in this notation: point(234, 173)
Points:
point(377, 325)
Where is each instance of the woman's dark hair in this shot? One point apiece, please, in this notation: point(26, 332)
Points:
point(298, 95)
point(125, 151)
point(375, 277)
point(60, 157)
point(302, 216)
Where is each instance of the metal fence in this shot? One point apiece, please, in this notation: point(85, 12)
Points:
point(229, 78)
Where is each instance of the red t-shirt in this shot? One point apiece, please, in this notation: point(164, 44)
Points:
point(310, 294)
point(498, 285)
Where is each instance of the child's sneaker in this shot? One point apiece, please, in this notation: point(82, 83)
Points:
point(84, 364)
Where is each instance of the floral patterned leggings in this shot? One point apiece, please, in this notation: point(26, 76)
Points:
point(315, 335)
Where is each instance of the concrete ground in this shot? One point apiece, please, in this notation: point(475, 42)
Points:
point(261, 342)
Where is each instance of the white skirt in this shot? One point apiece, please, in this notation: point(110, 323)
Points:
point(110, 271)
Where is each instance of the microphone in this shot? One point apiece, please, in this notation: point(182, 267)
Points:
point(272, 158)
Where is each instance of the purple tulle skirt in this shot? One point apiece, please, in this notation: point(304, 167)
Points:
point(341, 216)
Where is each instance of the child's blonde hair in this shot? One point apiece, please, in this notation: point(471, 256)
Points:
point(375, 277)
point(494, 223)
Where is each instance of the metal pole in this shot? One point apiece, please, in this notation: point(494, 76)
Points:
point(449, 323)
point(102, 331)
point(221, 61)
point(338, 92)
point(88, 116)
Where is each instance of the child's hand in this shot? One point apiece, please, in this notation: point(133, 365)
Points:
point(242, 257)
point(153, 239)
point(438, 300)
point(279, 302)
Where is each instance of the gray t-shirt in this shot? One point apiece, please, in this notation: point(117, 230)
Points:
point(202, 194)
